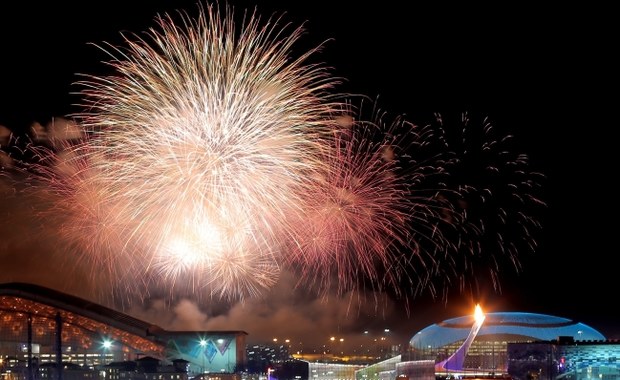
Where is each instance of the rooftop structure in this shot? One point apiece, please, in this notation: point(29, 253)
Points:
point(40, 325)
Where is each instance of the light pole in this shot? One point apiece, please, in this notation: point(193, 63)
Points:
point(387, 343)
point(288, 348)
point(107, 345)
point(203, 345)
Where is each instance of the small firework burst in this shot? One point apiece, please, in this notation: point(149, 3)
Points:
point(492, 197)
point(354, 223)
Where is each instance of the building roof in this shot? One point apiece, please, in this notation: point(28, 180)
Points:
point(520, 325)
point(88, 309)
point(76, 305)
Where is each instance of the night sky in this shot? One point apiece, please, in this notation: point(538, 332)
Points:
point(540, 75)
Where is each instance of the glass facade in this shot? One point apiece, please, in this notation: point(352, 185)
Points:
point(31, 332)
point(571, 360)
point(329, 371)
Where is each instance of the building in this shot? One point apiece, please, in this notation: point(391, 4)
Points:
point(396, 368)
point(465, 345)
point(45, 332)
point(564, 358)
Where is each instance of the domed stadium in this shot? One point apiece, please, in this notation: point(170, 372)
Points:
point(483, 344)
point(511, 326)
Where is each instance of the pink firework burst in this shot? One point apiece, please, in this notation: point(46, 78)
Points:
point(355, 220)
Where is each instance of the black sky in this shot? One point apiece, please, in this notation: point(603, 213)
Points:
point(543, 75)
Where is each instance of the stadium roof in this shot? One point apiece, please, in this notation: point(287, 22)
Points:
point(77, 306)
point(88, 309)
point(521, 326)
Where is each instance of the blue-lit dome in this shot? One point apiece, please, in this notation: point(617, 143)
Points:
point(520, 326)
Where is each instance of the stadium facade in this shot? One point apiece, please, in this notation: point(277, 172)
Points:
point(43, 330)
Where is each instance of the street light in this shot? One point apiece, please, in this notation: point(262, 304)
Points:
point(387, 342)
point(203, 344)
point(288, 348)
point(107, 345)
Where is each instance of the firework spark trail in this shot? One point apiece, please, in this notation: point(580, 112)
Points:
point(202, 128)
point(493, 200)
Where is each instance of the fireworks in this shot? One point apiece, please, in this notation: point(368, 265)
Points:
point(211, 160)
point(492, 197)
point(355, 222)
point(209, 136)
